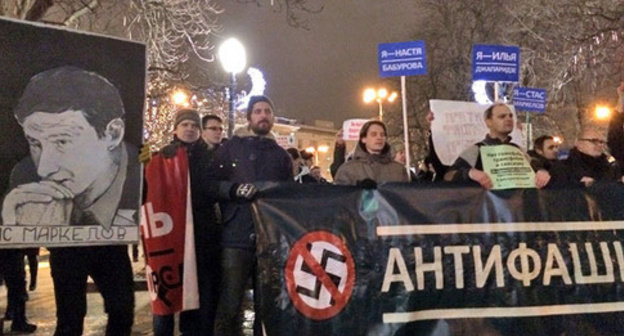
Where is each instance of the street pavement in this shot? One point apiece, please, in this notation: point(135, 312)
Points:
point(40, 308)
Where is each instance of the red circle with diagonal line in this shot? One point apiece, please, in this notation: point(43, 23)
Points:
point(320, 274)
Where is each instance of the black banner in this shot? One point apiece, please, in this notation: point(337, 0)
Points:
point(440, 260)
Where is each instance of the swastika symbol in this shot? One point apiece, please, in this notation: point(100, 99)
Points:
point(326, 255)
point(320, 274)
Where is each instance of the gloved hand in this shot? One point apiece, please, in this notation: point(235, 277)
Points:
point(243, 191)
point(170, 150)
point(367, 184)
point(145, 153)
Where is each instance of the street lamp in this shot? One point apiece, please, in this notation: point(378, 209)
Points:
point(602, 112)
point(379, 96)
point(233, 59)
point(180, 97)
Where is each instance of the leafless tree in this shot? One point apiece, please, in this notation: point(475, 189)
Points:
point(296, 10)
point(573, 48)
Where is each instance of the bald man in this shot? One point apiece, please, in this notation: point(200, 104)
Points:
point(587, 163)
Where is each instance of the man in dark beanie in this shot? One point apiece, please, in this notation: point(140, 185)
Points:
point(251, 155)
point(187, 114)
point(256, 99)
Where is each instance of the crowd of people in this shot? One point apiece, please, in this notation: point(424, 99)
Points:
point(252, 155)
point(223, 176)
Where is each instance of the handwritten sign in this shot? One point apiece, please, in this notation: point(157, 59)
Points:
point(458, 125)
point(507, 167)
point(351, 128)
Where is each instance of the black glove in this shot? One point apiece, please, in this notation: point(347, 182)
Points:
point(367, 184)
point(170, 150)
point(243, 191)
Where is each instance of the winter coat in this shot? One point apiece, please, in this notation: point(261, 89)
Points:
point(433, 159)
point(206, 225)
point(245, 158)
point(377, 167)
point(568, 173)
point(539, 162)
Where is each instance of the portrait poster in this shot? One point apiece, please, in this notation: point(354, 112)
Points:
point(71, 117)
point(507, 166)
point(458, 124)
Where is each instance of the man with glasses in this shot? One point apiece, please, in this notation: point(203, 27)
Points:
point(587, 163)
point(212, 130)
point(544, 153)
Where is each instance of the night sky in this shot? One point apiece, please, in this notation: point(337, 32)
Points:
point(322, 72)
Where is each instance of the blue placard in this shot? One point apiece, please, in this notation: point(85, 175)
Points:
point(529, 99)
point(495, 63)
point(402, 59)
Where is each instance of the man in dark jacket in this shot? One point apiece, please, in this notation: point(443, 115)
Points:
point(587, 163)
point(544, 153)
point(250, 156)
point(468, 167)
point(205, 227)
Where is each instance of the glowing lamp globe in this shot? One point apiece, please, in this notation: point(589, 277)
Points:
point(232, 56)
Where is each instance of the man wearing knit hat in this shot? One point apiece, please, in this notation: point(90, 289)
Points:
point(251, 155)
point(187, 134)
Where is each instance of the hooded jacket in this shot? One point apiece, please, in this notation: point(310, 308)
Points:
point(377, 167)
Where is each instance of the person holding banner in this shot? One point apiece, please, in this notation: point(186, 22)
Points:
point(468, 166)
point(587, 162)
point(205, 239)
point(78, 167)
point(372, 159)
point(252, 155)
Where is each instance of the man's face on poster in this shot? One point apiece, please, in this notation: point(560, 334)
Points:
point(66, 149)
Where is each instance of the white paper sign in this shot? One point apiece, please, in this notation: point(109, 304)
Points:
point(351, 128)
point(285, 141)
point(458, 125)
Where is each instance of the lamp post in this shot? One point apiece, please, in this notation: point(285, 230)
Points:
point(379, 96)
point(233, 59)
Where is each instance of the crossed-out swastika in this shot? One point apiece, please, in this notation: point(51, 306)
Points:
point(320, 274)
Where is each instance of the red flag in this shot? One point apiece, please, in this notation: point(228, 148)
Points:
point(167, 233)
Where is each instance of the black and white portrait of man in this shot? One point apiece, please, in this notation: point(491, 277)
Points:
point(73, 122)
point(71, 112)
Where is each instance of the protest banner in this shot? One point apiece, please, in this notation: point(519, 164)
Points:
point(440, 260)
point(168, 237)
